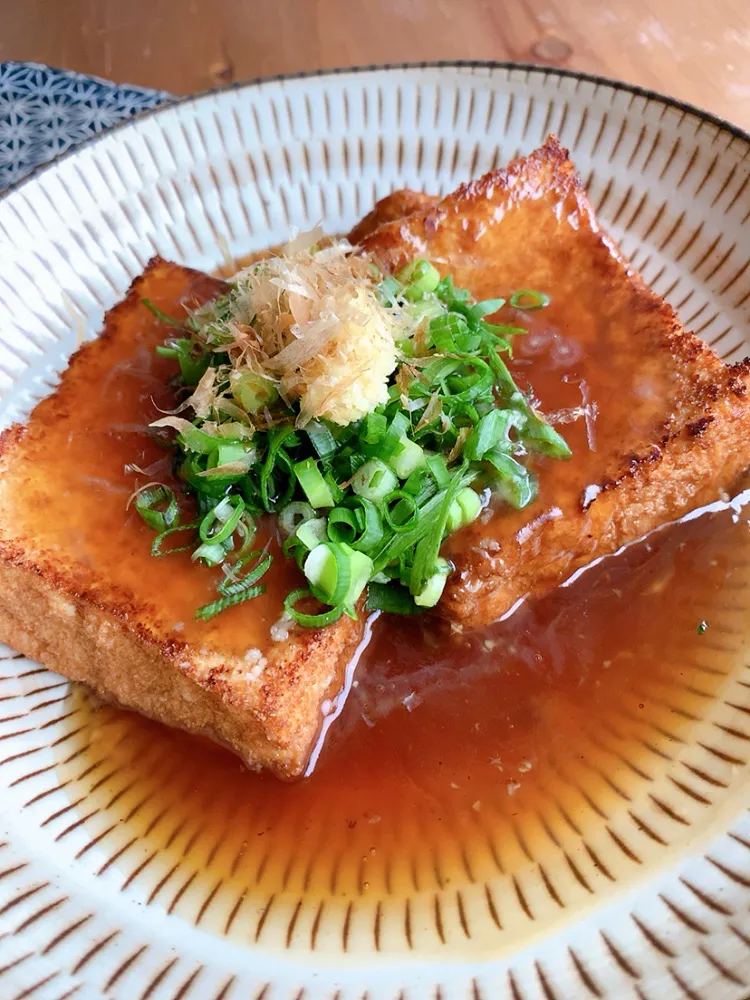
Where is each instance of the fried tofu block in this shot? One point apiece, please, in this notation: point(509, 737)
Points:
point(663, 425)
point(81, 593)
point(396, 205)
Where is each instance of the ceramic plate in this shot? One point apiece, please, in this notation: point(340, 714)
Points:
point(631, 876)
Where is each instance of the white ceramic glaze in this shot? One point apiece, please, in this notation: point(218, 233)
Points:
point(649, 899)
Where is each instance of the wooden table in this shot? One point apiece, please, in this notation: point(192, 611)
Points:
point(696, 51)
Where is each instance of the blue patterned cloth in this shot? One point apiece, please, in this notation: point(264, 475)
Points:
point(44, 111)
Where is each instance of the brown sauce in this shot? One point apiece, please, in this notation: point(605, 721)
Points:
point(458, 758)
point(81, 453)
point(608, 397)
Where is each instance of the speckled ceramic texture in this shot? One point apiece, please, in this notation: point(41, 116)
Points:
point(633, 880)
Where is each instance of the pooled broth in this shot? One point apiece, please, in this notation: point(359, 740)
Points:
point(457, 758)
point(486, 771)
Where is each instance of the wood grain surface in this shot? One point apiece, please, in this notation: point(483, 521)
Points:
point(695, 51)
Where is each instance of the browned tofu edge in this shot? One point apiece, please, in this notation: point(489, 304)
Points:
point(691, 466)
point(396, 205)
point(705, 449)
point(271, 721)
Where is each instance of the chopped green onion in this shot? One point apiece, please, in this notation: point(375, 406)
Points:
point(373, 480)
point(375, 428)
point(227, 453)
point(420, 483)
point(391, 598)
point(427, 309)
point(315, 487)
point(470, 503)
point(161, 315)
point(342, 525)
point(438, 468)
point(158, 507)
point(500, 331)
point(397, 429)
point(336, 492)
point(491, 432)
point(252, 391)
point(194, 439)
point(277, 438)
point(528, 299)
point(245, 532)
point(211, 486)
point(428, 547)
point(536, 434)
point(250, 492)
point(420, 278)
point(451, 296)
point(311, 533)
point(210, 553)
point(345, 465)
point(176, 347)
point(192, 364)
point(430, 522)
point(310, 621)
point(227, 514)
point(539, 436)
point(372, 532)
point(433, 589)
point(328, 570)
point(389, 290)
point(465, 508)
point(235, 584)
point(513, 482)
point(321, 439)
point(445, 328)
point(400, 510)
point(407, 457)
point(209, 611)
point(484, 308)
point(361, 571)
point(157, 546)
point(391, 485)
point(509, 391)
point(473, 386)
point(293, 515)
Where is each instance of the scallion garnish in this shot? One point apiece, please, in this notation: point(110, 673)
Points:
point(342, 525)
point(162, 316)
point(364, 501)
point(211, 610)
point(157, 549)
point(528, 299)
point(293, 515)
point(400, 510)
point(157, 505)
point(391, 598)
point(237, 582)
point(220, 522)
point(308, 620)
point(313, 484)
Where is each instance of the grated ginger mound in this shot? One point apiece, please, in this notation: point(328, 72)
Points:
point(311, 321)
point(349, 377)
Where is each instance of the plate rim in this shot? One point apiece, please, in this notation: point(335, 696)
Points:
point(544, 69)
point(541, 76)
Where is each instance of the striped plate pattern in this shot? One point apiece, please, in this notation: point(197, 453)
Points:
point(631, 877)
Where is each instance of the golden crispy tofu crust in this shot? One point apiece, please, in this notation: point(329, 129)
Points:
point(396, 205)
point(673, 424)
point(88, 600)
point(80, 592)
